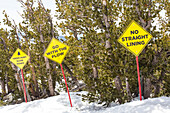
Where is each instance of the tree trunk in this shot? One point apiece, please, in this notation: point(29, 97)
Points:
point(54, 74)
point(31, 88)
point(44, 92)
point(108, 44)
point(95, 72)
point(156, 89)
point(119, 87)
point(2, 81)
point(19, 81)
point(19, 84)
point(128, 90)
point(142, 84)
point(8, 87)
point(147, 88)
point(50, 81)
point(33, 76)
point(118, 84)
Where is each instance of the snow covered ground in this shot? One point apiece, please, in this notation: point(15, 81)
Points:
point(60, 104)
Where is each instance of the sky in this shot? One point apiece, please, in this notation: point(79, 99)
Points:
point(13, 9)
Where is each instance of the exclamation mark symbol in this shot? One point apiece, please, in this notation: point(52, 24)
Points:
point(18, 53)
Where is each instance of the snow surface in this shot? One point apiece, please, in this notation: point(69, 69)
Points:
point(60, 104)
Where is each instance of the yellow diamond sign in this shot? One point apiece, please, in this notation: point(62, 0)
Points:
point(19, 58)
point(56, 51)
point(135, 38)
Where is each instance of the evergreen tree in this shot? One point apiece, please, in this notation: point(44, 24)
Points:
point(107, 68)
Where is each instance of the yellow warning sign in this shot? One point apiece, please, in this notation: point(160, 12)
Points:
point(135, 38)
point(19, 58)
point(56, 51)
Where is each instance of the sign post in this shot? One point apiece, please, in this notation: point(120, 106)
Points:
point(135, 38)
point(25, 95)
point(19, 58)
point(56, 51)
point(66, 84)
point(140, 92)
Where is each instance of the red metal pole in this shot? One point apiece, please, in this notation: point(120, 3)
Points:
point(138, 78)
point(66, 84)
point(25, 96)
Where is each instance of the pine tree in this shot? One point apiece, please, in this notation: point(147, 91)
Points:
point(107, 68)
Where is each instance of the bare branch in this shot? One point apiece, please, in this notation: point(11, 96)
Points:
point(139, 14)
point(3, 41)
point(149, 15)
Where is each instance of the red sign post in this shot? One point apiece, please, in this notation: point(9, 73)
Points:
point(137, 63)
point(25, 96)
point(66, 85)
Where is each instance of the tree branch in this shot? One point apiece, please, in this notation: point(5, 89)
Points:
point(139, 14)
point(149, 15)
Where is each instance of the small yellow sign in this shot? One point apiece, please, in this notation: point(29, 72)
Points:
point(56, 51)
point(19, 58)
point(135, 38)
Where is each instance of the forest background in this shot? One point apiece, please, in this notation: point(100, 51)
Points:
point(96, 62)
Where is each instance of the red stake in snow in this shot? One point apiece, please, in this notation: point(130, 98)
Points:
point(138, 78)
point(25, 96)
point(66, 85)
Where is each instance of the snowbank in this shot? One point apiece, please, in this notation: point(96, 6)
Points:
point(60, 104)
point(154, 105)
